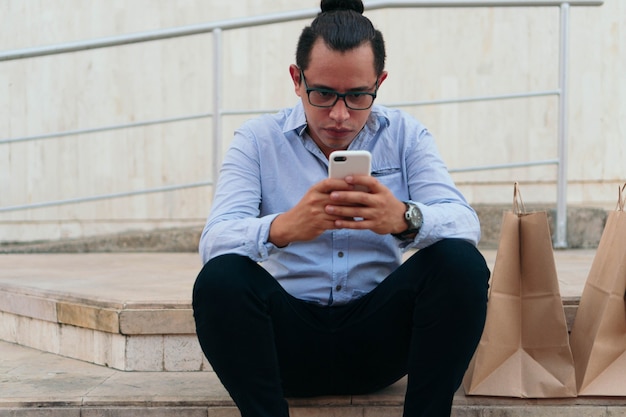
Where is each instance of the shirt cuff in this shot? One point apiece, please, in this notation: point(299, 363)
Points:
point(264, 247)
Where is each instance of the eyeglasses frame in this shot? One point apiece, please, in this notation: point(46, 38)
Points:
point(338, 95)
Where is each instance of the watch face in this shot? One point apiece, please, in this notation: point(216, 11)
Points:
point(415, 217)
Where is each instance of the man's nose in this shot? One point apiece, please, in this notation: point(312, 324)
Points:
point(340, 110)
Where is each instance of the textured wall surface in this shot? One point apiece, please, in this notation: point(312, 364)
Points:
point(432, 54)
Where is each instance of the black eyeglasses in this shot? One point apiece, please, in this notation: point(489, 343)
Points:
point(355, 100)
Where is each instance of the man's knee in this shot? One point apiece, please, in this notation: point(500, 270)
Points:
point(457, 255)
point(222, 278)
point(459, 267)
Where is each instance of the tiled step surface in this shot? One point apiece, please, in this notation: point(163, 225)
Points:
point(125, 311)
point(39, 384)
point(132, 311)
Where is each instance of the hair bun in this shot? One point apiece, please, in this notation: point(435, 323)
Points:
point(333, 5)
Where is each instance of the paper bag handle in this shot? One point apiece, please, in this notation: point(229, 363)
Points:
point(621, 198)
point(518, 203)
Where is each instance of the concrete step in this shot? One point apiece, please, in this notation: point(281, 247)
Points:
point(132, 311)
point(127, 311)
point(113, 334)
point(39, 384)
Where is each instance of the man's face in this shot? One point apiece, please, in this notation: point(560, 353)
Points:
point(335, 127)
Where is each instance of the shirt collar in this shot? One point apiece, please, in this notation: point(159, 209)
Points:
point(296, 121)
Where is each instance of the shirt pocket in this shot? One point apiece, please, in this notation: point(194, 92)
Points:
point(394, 179)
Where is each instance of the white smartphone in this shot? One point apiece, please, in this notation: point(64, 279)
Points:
point(344, 163)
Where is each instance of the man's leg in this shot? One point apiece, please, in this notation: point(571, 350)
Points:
point(231, 302)
point(262, 343)
point(448, 321)
point(425, 319)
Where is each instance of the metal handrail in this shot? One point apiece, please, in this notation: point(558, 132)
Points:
point(99, 129)
point(247, 22)
point(218, 27)
point(241, 112)
point(161, 189)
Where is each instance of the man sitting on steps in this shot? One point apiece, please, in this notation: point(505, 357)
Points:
point(303, 292)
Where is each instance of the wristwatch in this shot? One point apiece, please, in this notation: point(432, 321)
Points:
point(414, 220)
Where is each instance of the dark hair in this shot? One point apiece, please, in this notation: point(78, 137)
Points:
point(343, 27)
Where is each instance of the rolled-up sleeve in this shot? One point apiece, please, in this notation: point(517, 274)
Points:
point(445, 211)
point(234, 225)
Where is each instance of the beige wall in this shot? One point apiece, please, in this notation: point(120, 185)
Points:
point(432, 53)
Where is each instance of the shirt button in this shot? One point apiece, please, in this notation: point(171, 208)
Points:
point(340, 254)
point(338, 287)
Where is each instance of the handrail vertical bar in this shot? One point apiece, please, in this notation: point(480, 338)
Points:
point(217, 106)
point(561, 198)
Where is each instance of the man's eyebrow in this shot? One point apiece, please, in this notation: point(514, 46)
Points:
point(351, 90)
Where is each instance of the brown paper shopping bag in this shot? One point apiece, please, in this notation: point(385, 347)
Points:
point(598, 336)
point(524, 350)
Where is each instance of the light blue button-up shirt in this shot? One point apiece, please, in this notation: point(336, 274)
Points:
point(270, 165)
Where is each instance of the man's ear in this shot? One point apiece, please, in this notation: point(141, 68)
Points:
point(294, 72)
point(382, 78)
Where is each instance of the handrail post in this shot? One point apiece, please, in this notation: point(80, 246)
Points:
point(217, 106)
point(561, 198)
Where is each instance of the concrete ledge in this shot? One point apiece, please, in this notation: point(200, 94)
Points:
point(95, 316)
point(126, 311)
point(172, 352)
point(132, 311)
point(584, 224)
point(36, 384)
point(584, 229)
point(184, 239)
point(102, 308)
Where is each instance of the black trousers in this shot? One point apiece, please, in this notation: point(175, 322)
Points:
point(425, 320)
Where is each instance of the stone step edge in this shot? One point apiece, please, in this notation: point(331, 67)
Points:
point(177, 350)
point(145, 353)
point(216, 396)
point(129, 320)
point(176, 408)
point(373, 405)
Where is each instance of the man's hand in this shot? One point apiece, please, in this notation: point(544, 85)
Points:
point(309, 218)
point(377, 210)
point(334, 204)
